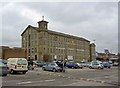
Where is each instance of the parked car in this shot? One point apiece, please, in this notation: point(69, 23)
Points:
point(79, 65)
point(115, 64)
point(87, 64)
point(83, 63)
point(39, 63)
point(95, 65)
point(110, 62)
point(4, 70)
point(71, 65)
point(52, 67)
point(106, 65)
point(17, 65)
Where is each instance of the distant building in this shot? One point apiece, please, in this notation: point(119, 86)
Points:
point(7, 52)
point(44, 44)
point(106, 56)
point(92, 52)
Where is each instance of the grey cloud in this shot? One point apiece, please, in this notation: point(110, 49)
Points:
point(90, 20)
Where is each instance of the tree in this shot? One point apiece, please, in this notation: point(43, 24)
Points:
point(47, 58)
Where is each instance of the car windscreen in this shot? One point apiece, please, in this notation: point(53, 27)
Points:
point(22, 62)
point(1, 64)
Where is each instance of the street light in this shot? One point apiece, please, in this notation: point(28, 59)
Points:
point(95, 51)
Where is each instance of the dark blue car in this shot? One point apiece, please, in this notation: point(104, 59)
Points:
point(71, 65)
point(106, 65)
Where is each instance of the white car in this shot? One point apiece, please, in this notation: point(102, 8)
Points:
point(79, 65)
point(96, 66)
point(115, 64)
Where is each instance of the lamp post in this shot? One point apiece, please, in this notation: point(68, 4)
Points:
point(94, 48)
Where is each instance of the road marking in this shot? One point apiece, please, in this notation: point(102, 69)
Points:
point(50, 74)
point(63, 76)
point(103, 82)
point(24, 82)
point(54, 74)
point(69, 77)
point(89, 80)
point(59, 75)
point(100, 81)
point(29, 82)
point(17, 75)
point(49, 80)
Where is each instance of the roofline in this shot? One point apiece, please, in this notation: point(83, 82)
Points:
point(29, 26)
point(42, 21)
point(65, 35)
point(54, 32)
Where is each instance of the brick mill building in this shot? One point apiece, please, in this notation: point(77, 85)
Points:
point(43, 44)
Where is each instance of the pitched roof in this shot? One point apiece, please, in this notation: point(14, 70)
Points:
point(54, 32)
point(29, 26)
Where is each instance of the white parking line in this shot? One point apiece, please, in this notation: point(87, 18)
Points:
point(24, 82)
point(29, 82)
point(50, 80)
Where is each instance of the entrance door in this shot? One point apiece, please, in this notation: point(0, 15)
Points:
point(35, 57)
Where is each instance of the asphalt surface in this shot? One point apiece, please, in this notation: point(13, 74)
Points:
point(72, 77)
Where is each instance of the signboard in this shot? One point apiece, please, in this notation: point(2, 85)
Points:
point(70, 57)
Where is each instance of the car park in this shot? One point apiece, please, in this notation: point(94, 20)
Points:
point(106, 65)
point(4, 70)
point(71, 65)
point(52, 67)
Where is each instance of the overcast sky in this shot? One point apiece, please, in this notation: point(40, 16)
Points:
point(91, 20)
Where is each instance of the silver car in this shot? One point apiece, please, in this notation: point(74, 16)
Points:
point(52, 67)
point(79, 65)
point(95, 65)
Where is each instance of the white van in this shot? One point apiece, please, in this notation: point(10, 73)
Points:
point(17, 65)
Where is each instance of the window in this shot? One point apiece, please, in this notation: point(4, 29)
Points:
point(50, 50)
point(32, 50)
point(35, 57)
point(53, 64)
point(29, 50)
point(21, 62)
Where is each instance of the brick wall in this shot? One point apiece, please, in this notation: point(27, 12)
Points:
point(13, 53)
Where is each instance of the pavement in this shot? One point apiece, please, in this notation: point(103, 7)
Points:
point(72, 77)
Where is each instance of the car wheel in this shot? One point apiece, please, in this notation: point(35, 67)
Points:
point(100, 68)
point(24, 72)
point(90, 67)
point(63, 70)
point(12, 72)
point(33, 68)
point(4, 75)
point(54, 70)
point(109, 67)
point(81, 67)
point(43, 69)
point(72, 67)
